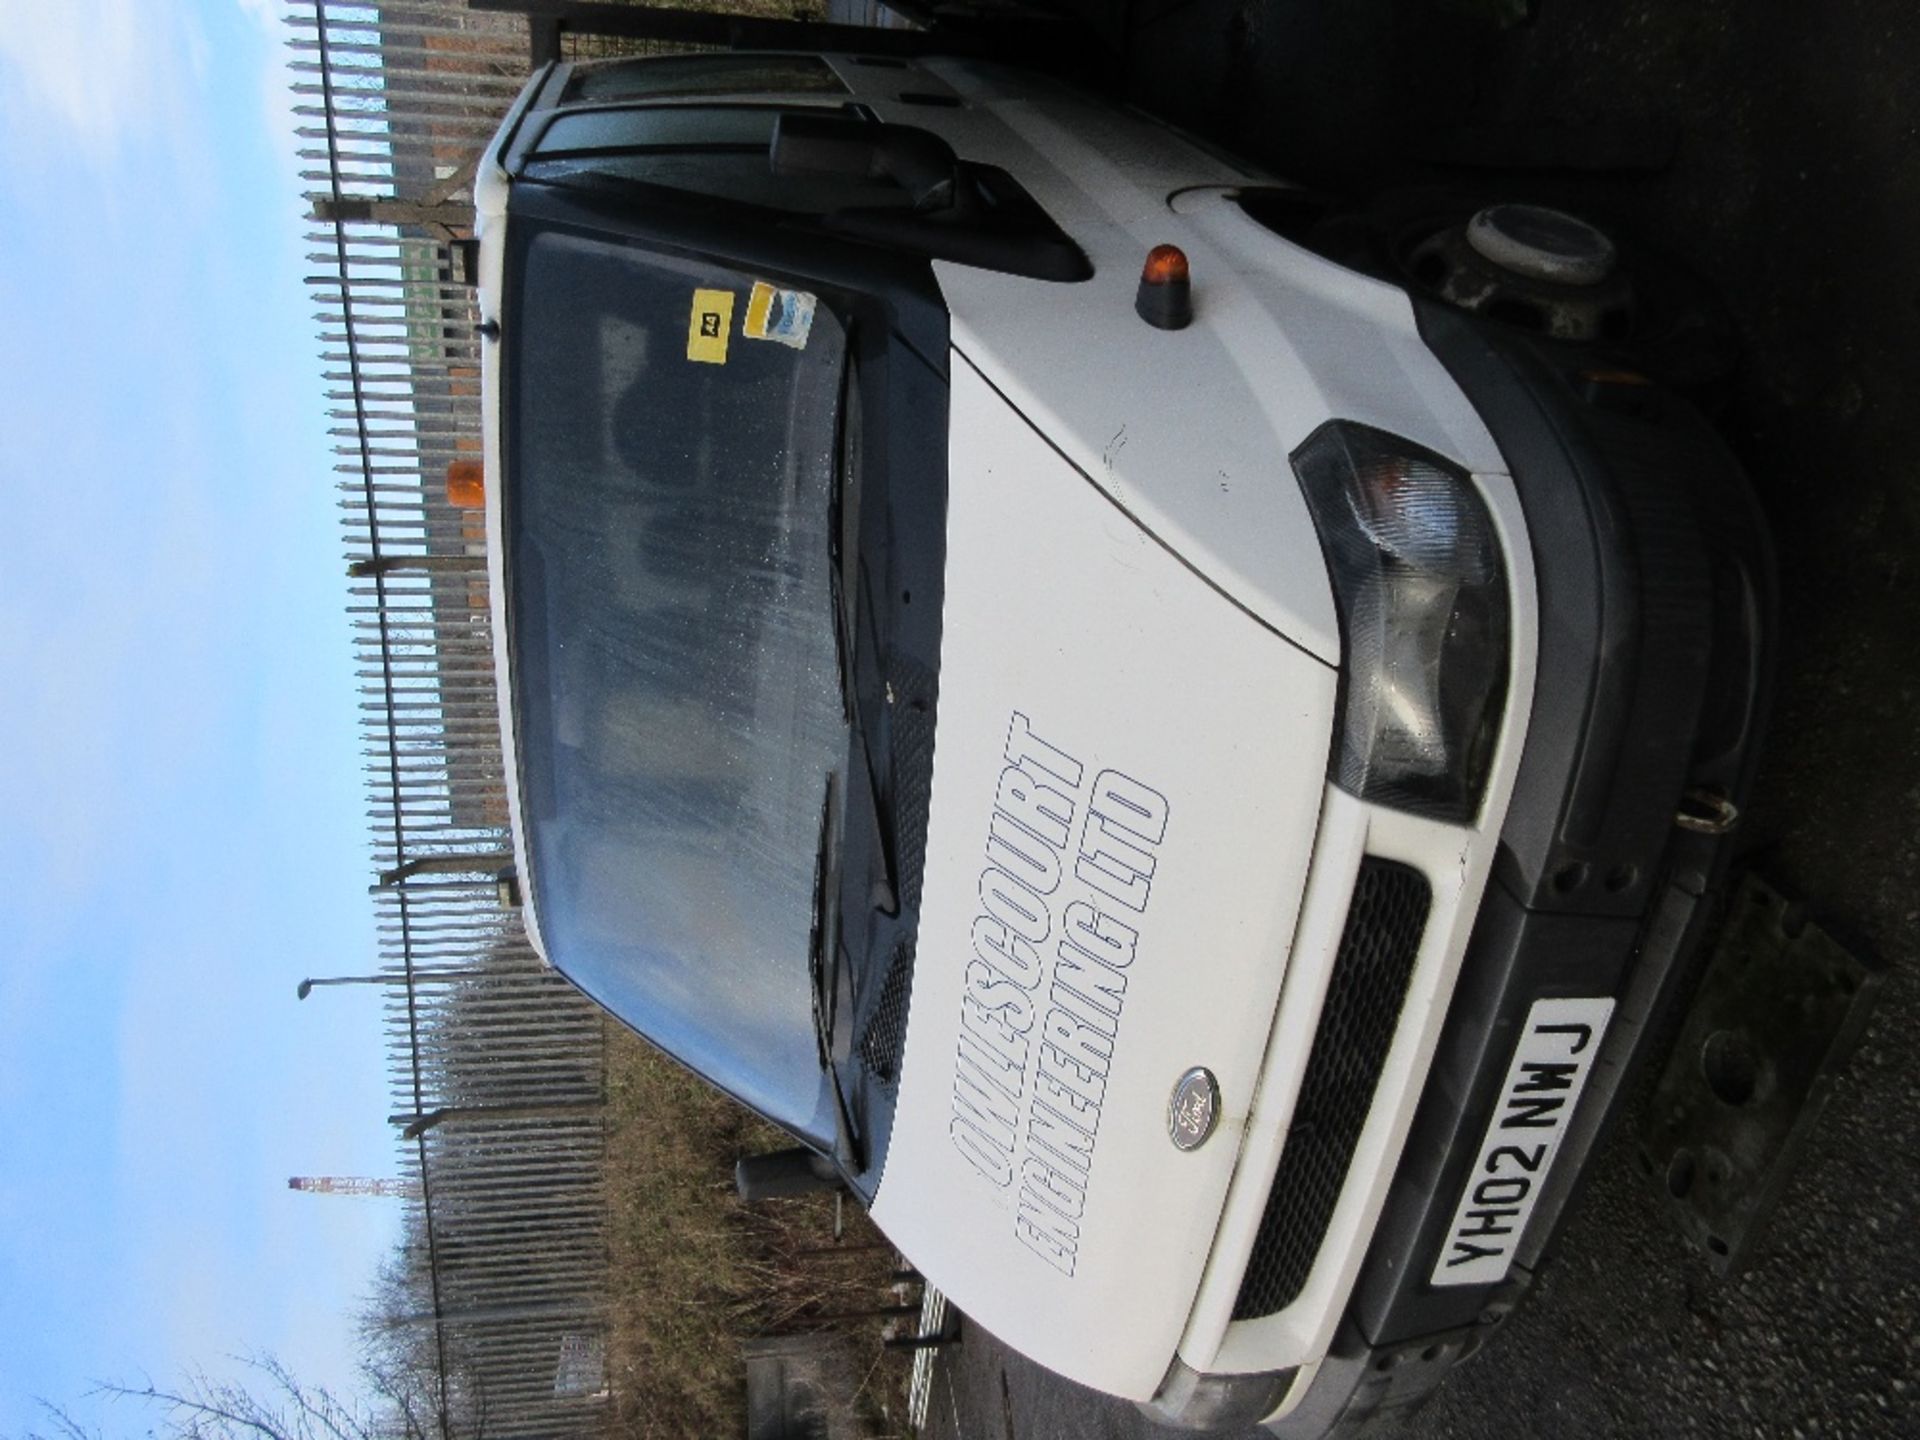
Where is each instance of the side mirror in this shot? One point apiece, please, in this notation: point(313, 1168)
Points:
point(918, 161)
point(784, 1173)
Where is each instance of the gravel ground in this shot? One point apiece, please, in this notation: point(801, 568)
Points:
point(1789, 132)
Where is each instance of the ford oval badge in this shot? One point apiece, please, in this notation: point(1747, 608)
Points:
point(1194, 1110)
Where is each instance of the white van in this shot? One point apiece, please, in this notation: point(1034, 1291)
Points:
point(1174, 735)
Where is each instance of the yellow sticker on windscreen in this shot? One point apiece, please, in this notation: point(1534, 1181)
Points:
point(783, 316)
point(707, 329)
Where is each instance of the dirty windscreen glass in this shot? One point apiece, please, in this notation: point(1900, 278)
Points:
point(671, 449)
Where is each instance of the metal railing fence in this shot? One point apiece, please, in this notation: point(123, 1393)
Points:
point(497, 1064)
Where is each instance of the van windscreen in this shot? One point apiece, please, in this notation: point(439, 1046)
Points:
point(671, 435)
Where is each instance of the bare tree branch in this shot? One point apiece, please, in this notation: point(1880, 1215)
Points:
point(65, 1427)
point(401, 1403)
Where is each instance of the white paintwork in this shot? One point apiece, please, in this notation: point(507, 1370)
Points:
point(1189, 430)
point(1132, 567)
point(1338, 850)
point(1060, 608)
point(490, 187)
point(1303, 1378)
point(1523, 1138)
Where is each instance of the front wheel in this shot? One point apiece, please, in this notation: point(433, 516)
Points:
point(1539, 270)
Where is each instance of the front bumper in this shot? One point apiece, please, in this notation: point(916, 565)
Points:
point(1655, 587)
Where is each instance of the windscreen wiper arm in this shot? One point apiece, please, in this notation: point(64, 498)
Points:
point(843, 528)
point(823, 974)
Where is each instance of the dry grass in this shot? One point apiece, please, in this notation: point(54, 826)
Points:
point(696, 1273)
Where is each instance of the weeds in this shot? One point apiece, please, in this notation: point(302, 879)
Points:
point(696, 1273)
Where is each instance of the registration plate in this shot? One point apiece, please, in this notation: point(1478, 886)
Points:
point(1549, 1070)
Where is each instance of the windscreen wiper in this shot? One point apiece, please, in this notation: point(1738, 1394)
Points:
point(823, 974)
point(843, 522)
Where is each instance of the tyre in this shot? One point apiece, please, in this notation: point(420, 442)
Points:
point(1542, 270)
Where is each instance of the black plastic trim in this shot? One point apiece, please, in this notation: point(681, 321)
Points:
point(1655, 580)
point(1656, 601)
point(1632, 518)
point(1005, 230)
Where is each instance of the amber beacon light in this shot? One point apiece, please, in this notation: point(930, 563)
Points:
point(1165, 297)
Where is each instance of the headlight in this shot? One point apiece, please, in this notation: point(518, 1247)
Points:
point(1422, 595)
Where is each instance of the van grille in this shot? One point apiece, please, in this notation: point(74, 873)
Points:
point(912, 731)
point(885, 1031)
point(1365, 993)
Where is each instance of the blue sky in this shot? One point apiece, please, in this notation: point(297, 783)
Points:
point(181, 831)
